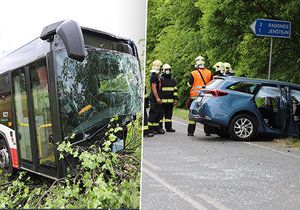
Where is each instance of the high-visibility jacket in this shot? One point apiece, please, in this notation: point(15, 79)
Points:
point(168, 89)
point(198, 81)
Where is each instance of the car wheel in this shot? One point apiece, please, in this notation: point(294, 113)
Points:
point(243, 127)
point(222, 133)
point(5, 158)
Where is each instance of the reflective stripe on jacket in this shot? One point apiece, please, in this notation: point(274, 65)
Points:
point(168, 92)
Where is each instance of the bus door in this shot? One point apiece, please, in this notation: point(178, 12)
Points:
point(32, 111)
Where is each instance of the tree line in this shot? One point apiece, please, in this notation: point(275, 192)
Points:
point(178, 31)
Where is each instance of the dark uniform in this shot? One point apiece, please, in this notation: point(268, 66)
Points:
point(146, 105)
point(155, 108)
point(169, 94)
point(218, 73)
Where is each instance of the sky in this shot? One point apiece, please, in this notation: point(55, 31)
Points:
point(23, 20)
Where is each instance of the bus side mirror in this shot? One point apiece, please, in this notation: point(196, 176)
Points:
point(71, 34)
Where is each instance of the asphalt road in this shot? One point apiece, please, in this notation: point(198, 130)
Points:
point(181, 172)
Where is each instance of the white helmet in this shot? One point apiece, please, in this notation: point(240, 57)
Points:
point(166, 68)
point(156, 65)
point(219, 66)
point(228, 68)
point(200, 61)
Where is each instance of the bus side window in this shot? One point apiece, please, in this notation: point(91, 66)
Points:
point(5, 102)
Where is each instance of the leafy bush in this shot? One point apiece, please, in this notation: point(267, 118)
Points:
point(178, 31)
point(102, 178)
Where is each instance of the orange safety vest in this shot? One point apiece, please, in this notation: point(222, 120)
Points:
point(198, 81)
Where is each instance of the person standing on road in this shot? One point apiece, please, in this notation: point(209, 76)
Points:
point(198, 78)
point(169, 97)
point(155, 100)
point(146, 130)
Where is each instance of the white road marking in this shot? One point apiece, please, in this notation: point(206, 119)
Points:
point(184, 124)
point(151, 165)
point(253, 144)
point(213, 202)
point(273, 150)
point(175, 190)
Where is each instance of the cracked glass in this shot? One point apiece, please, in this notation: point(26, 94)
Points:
point(105, 84)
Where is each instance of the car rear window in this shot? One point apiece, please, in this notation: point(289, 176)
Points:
point(215, 83)
point(244, 87)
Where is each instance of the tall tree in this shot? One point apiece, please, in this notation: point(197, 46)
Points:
point(179, 31)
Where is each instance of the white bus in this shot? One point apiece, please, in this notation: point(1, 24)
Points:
point(65, 85)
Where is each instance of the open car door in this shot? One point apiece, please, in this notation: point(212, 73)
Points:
point(272, 103)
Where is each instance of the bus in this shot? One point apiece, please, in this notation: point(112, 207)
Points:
point(65, 85)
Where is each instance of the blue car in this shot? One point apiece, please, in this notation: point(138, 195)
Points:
point(245, 108)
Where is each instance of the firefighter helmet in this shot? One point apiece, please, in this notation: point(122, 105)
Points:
point(228, 68)
point(166, 66)
point(200, 61)
point(156, 64)
point(219, 66)
point(166, 69)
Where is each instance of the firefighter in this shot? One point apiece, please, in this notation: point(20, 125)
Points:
point(169, 97)
point(155, 100)
point(219, 69)
point(147, 132)
point(199, 77)
point(228, 69)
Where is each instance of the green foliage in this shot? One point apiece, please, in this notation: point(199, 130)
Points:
point(102, 179)
point(219, 30)
point(181, 113)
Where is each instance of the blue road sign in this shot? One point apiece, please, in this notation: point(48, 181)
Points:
point(272, 28)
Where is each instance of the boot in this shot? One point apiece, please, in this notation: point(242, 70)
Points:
point(149, 134)
point(170, 130)
point(160, 131)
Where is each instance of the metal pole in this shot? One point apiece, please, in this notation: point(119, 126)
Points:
point(270, 58)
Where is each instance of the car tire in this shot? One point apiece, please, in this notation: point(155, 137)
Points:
point(243, 127)
point(221, 132)
point(5, 158)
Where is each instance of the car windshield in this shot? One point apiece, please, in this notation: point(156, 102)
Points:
point(105, 84)
point(215, 83)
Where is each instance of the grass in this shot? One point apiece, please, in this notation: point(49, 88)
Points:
point(288, 143)
point(181, 113)
point(292, 143)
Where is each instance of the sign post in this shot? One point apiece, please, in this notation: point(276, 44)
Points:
point(270, 58)
point(271, 28)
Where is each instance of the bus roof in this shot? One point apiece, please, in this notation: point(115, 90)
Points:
point(38, 48)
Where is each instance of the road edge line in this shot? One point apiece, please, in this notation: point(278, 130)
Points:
point(151, 165)
point(272, 150)
point(200, 129)
point(213, 202)
point(174, 190)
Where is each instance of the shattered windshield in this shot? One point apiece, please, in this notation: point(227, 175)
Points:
point(105, 84)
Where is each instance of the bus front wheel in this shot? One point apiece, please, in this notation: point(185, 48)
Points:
point(5, 158)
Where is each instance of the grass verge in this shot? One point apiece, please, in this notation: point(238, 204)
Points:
point(181, 113)
point(288, 143)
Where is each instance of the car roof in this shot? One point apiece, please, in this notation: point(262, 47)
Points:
point(265, 81)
